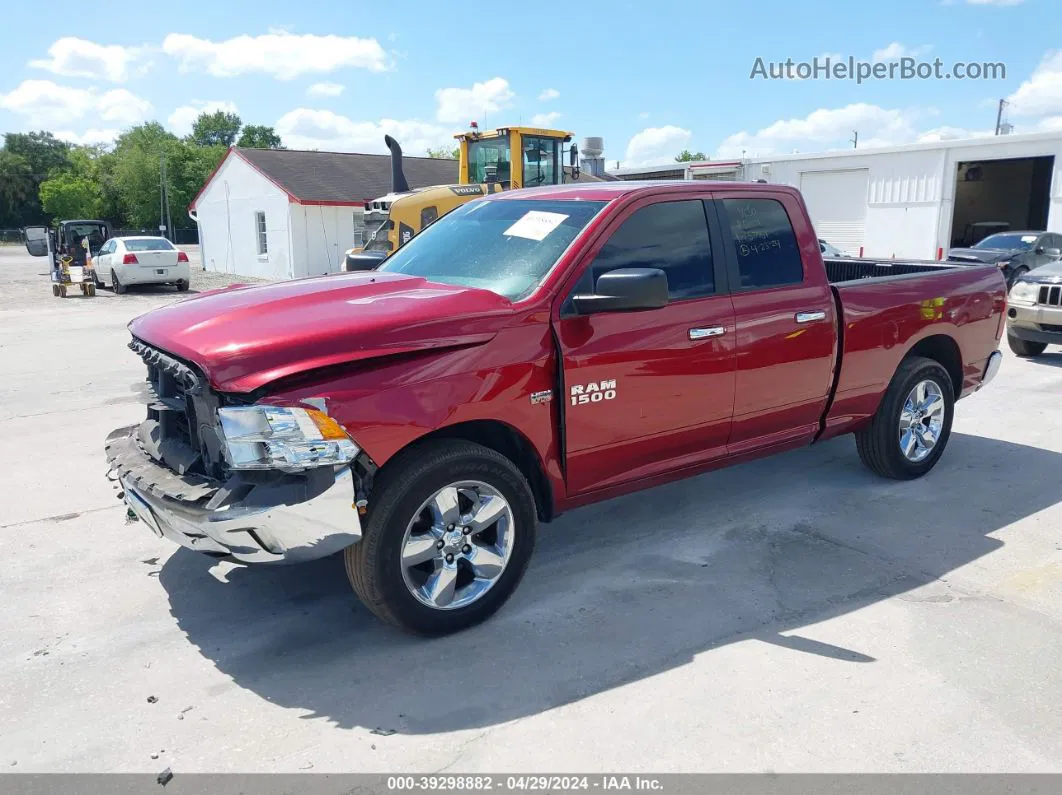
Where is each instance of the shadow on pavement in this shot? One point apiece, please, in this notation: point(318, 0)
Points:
point(1049, 358)
point(622, 590)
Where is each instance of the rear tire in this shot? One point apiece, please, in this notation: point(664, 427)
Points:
point(881, 444)
point(1024, 348)
point(117, 286)
point(182, 286)
point(375, 565)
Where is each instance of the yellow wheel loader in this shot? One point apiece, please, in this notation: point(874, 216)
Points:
point(488, 162)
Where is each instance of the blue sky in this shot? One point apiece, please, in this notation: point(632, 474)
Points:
point(650, 78)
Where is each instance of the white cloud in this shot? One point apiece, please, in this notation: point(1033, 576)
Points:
point(1051, 124)
point(45, 104)
point(829, 129)
point(304, 128)
point(466, 104)
point(643, 115)
point(182, 119)
point(548, 94)
point(122, 107)
point(74, 57)
point(545, 119)
point(89, 137)
point(896, 50)
point(278, 53)
point(325, 90)
point(656, 145)
point(826, 128)
point(1041, 94)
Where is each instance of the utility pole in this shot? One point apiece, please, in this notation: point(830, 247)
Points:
point(999, 115)
point(855, 139)
point(162, 193)
point(165, 221)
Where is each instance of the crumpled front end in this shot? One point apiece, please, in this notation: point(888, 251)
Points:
point(174, 477)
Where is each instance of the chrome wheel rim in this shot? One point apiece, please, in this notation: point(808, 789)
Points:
point(921, 421)
point(457, 545)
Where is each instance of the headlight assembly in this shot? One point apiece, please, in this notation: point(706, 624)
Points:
point(1023, 293)
point(289, 439)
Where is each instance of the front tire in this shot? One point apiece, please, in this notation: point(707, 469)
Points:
point(913, 423)
point(1023, 347)
point(451, 527)
point(1016, 277)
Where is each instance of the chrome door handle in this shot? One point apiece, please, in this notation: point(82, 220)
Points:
point(703, 333)
point(808, 317)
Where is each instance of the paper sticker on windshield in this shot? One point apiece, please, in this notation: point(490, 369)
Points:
point(1028, 238)
point(535, 225)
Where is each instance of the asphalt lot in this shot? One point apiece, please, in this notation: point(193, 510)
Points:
point(793, 614)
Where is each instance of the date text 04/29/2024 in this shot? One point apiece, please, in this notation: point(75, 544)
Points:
point(531, 783)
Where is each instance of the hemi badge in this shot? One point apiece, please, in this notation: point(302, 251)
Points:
point(541, 397)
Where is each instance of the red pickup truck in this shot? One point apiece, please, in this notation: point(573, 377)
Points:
point(528, 353)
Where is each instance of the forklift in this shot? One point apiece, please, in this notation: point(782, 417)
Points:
point(71, 248)
point(486, 165)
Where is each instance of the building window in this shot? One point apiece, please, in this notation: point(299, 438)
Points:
point(359, 227)
point(260, 228)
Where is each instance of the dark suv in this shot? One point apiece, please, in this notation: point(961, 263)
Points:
point(1016, 253)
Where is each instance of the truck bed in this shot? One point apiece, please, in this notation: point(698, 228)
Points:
point(847, 269)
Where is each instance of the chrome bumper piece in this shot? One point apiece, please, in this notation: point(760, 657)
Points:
point(291, 520)
point(991, 368)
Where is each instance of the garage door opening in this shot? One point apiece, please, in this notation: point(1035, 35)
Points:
point(996, 195)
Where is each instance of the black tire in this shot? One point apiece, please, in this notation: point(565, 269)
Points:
point(1023, 347)
point(1016, 276)
point(182, 286)
point(373, 564)
point(879, 444)
point(117, 286)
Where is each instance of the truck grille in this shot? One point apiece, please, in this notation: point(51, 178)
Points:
point(1050, 296)
point(181, 429)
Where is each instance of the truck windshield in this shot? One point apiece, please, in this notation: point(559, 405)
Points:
point(505, 246)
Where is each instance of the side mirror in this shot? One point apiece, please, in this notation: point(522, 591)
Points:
point(1053, 253)
point(625, 290)
point(37, 240)
point(573, 161)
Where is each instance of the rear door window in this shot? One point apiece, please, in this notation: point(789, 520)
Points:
point(671, 236)
point(764, 242)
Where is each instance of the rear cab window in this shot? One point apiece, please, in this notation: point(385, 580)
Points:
point(148, 244)
point(765, 244)
point(669, 235)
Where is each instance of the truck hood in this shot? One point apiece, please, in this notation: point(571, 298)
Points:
point(982, 254)
point(243, 337)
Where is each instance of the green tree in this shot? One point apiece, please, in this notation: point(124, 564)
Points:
point(16, 188)
point(686, 156)
point(28, 159)
point(442, 153)
point(215, 129)
point(258, 136)
point(136, 171)
point(68, 195)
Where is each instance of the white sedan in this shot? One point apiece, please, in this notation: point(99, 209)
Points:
point(124, 261)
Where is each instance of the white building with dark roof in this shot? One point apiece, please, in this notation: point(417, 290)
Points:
point(283, 214)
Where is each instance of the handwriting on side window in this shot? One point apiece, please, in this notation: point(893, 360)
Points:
point(752, 249)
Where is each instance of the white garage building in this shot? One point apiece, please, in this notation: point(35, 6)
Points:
point(282, 214)
point(913, 201)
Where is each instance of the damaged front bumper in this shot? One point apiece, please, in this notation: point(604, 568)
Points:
point(284, 519)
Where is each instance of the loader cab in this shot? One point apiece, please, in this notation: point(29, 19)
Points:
point(513, 157)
